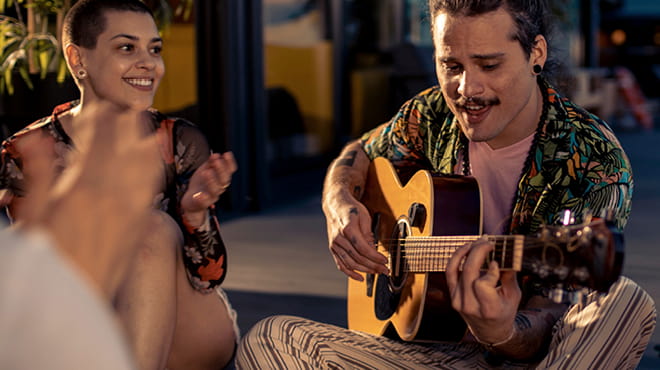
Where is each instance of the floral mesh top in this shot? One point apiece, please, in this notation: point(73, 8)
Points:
point(183, 150)
point(575, 162)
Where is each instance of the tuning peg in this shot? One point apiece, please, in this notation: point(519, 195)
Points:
point(557, 295)
point(561, 295)
point(579, 296)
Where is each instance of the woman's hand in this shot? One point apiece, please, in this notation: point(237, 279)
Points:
point(206, 185)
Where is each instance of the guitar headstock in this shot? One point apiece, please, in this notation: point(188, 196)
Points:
point(588, 255)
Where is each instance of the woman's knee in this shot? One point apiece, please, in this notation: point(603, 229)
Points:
point(163, 235)
point(204, 337)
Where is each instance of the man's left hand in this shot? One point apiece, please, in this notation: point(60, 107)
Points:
point(488, 301)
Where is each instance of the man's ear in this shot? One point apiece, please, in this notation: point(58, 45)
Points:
point(539, 53)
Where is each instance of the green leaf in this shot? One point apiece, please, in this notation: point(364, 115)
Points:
point(44, 60)
point(61, 71)
point(7, 79)
point(22, 69)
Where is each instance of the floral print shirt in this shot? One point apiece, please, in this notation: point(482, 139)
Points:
point(183, 149)
point(575, 163)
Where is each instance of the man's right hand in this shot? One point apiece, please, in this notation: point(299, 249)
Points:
point(351, 240)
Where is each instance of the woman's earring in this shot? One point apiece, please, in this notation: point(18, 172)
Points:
point(81, 74)
point(537, 69)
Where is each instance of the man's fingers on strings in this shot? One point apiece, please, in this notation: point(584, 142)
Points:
point(474, 260)
point(365, 246)
point(351, 259)
point(343, 262)
point(454, 266)
point(368, 256)
point(346, 270)
point(350, 273)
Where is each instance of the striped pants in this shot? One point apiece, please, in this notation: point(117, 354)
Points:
point(604, 332)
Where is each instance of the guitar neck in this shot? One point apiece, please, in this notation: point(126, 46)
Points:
point(432, 253)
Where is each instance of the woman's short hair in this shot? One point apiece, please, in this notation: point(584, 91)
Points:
point(85, 21)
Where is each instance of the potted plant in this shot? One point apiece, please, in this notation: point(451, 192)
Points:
point(28, 44)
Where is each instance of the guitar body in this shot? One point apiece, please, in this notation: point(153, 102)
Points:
point(414, 306)
point(419, 225)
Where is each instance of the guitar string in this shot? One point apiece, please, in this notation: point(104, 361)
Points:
point(428, 255)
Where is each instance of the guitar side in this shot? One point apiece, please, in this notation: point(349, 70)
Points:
point(414, 306)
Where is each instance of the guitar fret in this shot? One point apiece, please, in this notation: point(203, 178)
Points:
point(432, 254)
point(502, 261)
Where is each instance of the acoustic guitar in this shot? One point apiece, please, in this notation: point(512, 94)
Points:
point(418, 226)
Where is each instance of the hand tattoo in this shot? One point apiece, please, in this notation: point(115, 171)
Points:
point(357, 192)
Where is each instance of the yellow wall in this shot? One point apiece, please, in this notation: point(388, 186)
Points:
point(370, 89)
point(306, 73)
point(178, 89)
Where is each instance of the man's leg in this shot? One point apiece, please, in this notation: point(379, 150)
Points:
point(610, 332)
point(287, 342)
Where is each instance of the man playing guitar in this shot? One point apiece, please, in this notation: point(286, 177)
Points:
point(493, 116)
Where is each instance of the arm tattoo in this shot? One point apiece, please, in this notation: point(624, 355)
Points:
point(522, 322)
point(354, 211)
point(347, 160)
point(357, 192)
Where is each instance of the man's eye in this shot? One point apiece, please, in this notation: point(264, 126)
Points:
point(490, 67)
point(157, 50)
point(452, 68)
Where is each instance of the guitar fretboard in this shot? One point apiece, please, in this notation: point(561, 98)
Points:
point(432, 253)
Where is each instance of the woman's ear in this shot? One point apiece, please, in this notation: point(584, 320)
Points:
point(74, 58)
point(72, 54)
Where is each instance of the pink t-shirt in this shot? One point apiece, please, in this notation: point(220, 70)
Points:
point(498, 172)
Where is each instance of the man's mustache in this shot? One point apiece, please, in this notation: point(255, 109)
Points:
point(463, 101)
